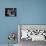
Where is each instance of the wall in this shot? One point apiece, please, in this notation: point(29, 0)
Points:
point(28, 12)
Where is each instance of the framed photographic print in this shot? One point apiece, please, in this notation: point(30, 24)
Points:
point(10, 12)
point(34, 32)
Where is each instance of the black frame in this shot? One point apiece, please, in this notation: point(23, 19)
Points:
point(15, 11)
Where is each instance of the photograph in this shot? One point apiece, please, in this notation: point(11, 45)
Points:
point(31, 33)
point(10, 12)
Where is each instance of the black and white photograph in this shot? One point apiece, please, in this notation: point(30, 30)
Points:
point(10, 12)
